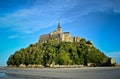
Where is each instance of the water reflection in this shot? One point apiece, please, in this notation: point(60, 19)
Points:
point(13, 76)
point(2, 74)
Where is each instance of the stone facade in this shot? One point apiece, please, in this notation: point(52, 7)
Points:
point(58, 35)
point(111, 60)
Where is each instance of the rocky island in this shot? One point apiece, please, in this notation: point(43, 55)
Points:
point(59, 49)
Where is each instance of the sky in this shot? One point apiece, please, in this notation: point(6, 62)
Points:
point(23, 21)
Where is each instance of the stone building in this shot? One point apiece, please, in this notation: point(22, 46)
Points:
point(58, 35)
point(111, 61)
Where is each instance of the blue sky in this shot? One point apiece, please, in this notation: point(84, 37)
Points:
point(23, 21)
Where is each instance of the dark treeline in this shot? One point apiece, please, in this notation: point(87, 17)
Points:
point(62, 53)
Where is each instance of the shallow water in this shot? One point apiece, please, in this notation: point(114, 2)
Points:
point(61, 73)
point(12, 76)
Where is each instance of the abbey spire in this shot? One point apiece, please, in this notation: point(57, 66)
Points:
point(59, 29)
point(58, 24)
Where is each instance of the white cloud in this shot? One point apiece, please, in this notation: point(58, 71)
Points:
point(13, 36)
point(38, 16)
point(117, 10)
point(30, 20)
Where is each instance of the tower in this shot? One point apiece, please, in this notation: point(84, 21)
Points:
point(59, 29)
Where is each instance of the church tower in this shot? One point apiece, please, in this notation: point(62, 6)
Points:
point(59, 29)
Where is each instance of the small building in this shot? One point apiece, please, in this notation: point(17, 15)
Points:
point(112, 61)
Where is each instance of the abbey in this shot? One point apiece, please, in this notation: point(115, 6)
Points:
point(58, 35)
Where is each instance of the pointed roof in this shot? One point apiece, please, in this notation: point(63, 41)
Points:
point(59, 24)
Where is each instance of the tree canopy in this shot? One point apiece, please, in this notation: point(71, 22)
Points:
point(62, 53)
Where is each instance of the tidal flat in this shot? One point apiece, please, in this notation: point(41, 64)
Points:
point(61, 73)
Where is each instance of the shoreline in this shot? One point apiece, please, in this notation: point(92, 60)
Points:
point(66, 73)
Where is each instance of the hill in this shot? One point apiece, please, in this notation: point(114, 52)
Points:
point(58, 53)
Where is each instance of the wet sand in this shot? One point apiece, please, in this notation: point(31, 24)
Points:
point(67, 73)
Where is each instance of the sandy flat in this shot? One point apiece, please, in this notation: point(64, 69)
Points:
point(69, 73)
